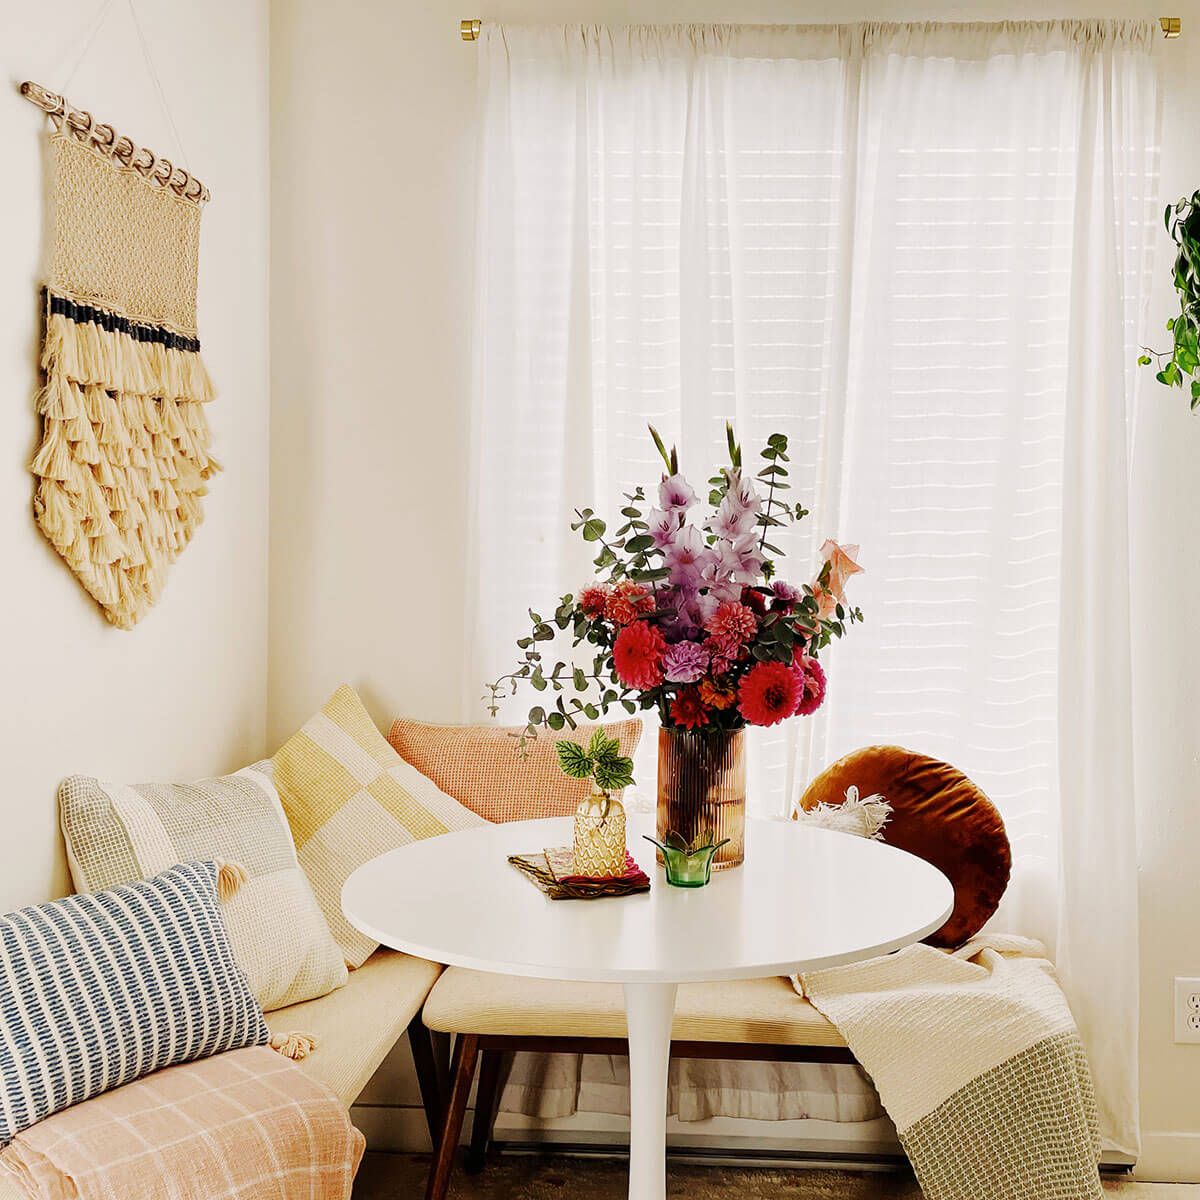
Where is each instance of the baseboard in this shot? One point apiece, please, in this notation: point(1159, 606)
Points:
point(1169, 1158)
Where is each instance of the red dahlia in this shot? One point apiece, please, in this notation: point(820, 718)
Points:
point(637, 655)
point(769, 693)
point(593, 599)
point(687, 710)
point(628, 601)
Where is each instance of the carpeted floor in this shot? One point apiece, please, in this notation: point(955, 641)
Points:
point(402, 1177)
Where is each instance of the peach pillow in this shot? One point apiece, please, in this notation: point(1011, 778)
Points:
point(480, 766)
point(937, 814)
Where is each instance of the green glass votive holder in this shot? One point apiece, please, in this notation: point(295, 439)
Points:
point(687, 866)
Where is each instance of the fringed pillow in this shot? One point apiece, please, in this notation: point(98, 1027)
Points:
point(116, 833)
point(862, 816)
point(938, 814)
point(100, 989)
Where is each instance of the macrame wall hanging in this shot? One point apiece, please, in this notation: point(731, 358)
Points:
point(124, 456)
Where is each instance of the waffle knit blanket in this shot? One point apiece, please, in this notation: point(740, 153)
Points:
point(979, 1064)
point(243, 1124)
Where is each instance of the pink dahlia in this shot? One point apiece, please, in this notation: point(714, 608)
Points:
point(684, 662)
point(626, 602)
point(593, 599)
point(687, 709)
point(637, 655)
point(813, 676)
point(723, 655)
point(786, 596)
point(769, 693)
point(733, 623)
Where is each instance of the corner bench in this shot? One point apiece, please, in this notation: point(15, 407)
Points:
point(753, 1019)
point(355, 1027)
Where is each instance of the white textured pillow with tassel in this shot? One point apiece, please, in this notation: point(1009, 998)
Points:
point(117, 833)
point(863, 816)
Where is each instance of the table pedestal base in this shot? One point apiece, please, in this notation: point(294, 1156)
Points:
point(649, 1010)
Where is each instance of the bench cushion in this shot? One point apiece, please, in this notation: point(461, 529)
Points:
point(758, 1011)
point(357, 1025)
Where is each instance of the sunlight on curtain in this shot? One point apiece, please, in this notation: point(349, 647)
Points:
point(868, 238)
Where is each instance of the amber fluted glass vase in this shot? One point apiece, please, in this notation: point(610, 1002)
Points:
point(702, 789)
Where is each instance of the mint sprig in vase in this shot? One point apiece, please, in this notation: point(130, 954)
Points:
point(599, 842)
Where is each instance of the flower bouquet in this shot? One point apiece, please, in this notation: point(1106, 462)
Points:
point(689, 617)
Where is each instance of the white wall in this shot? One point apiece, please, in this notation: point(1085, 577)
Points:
point(183, 694)
point(373, 141)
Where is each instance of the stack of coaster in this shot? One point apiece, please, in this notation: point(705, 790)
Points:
point(554, 872)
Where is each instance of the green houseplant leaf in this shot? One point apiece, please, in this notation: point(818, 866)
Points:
point(574, 759)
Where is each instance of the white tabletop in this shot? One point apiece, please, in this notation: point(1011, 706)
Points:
point(805, 898)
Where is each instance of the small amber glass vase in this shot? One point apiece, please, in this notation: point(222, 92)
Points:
point(702, 790)
point(600, 836)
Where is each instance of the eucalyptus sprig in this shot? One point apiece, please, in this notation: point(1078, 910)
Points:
point(1183, 359)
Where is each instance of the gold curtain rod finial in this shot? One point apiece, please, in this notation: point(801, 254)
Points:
point(470, 29)
point(1172, 27)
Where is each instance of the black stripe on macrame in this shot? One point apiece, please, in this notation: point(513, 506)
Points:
point(114, 324)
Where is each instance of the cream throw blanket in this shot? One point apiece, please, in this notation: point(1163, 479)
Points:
point(979, 1064)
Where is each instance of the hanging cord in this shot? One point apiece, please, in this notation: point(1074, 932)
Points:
point(89, 38)
point(158, 87)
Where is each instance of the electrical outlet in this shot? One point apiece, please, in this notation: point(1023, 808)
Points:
point(1187, 1010)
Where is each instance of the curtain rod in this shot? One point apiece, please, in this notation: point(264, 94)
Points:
point(80, 123)
point(1172, 27)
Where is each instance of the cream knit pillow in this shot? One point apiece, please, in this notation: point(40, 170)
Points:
point(117, 833)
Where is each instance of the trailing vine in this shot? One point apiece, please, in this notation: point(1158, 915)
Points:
point(1182, 361)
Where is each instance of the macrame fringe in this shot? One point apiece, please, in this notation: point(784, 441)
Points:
point(294, 1045)
point(230, 877)
point(864, 816)
point(124, 459)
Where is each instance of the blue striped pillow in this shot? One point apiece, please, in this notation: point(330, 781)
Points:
point(99, 989)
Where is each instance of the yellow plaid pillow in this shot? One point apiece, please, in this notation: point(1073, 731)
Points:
point(350, 797)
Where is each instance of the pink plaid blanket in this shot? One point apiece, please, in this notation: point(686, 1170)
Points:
point(246, 1125)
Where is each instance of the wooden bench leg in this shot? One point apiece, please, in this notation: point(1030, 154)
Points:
point(441, 1059)
point(432, 1091)
point(466, 1051)
point(487, 1097)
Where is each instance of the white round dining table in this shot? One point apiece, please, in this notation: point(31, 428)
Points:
point(805, 898)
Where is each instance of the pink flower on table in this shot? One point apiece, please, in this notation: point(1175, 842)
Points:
point(812, 675)
point(740, 561)
point(769, 693)
point(627, 601)
point(675, 494)
point(733, 623)
point(593, 599)
point(684, 662)
point(786, 596)
point(688, 559)
point(737, 515)
point(723, 655)
point(664, 526)
point(842, 566)
point(637, 655)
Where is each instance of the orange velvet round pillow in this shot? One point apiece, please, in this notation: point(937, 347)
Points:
point(939, 815)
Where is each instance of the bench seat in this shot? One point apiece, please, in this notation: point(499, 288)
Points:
point(754, 1011)
point(356, 1025)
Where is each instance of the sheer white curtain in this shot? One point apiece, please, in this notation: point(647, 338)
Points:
point(921, 252)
